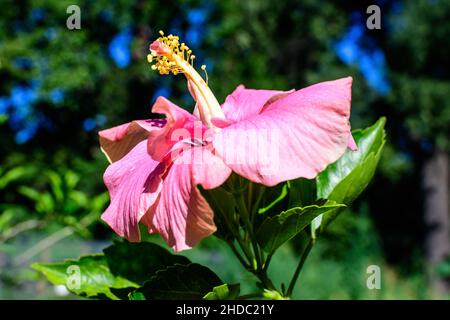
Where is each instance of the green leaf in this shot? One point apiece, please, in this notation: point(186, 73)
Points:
point(344, 180)
point(273, 196)
point(89, 276)
point(71, 179)
point(3, 118)
point(56, 184)
point(30, 193)
point(81, 199)
point(278, 229)
point(223, 292)
point(338, 181)
point(99, 202)
point(272, 295)
point(45, 204)
point(15, 174)
point(302, 192)
point(121, 269)
point(136, 296)
point(138, 262)
point(122, 293)
point(178, 282)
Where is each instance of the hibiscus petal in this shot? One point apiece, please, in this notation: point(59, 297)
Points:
point(134, 183)
point(116, 142)
point(243, 103)
point(208, 170)
point(296, 136)
point(182, 215)
point(222, 123)
point(179, 122)
point(352, 144)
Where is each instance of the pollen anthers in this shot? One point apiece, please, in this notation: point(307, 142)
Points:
point(169, 54)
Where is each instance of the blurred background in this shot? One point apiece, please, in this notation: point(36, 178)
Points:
point(58, 87)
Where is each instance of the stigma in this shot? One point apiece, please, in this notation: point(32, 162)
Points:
point(168, 55)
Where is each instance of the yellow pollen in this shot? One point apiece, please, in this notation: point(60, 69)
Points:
point(170, 56)
point(173, 57)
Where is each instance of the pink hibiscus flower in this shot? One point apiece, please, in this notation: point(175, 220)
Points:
point(266, 136)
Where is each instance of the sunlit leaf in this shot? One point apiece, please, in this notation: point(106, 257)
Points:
point(278, 229)
point(344, 180)
point(223, 292)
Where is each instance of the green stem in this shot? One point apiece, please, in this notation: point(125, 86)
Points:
point(267, 262)
point(299, 268)
point(247, 213)
point(249, 196)
point(245, 249)
point(260, 189)
point(237, 236)
point(265, 280)
point(254, 211)
point(245, 216)
point(237, 254)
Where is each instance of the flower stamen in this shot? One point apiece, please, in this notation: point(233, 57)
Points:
point(168, 55)
point(203, 67)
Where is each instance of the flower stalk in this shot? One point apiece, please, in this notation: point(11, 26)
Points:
point(294, 279)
